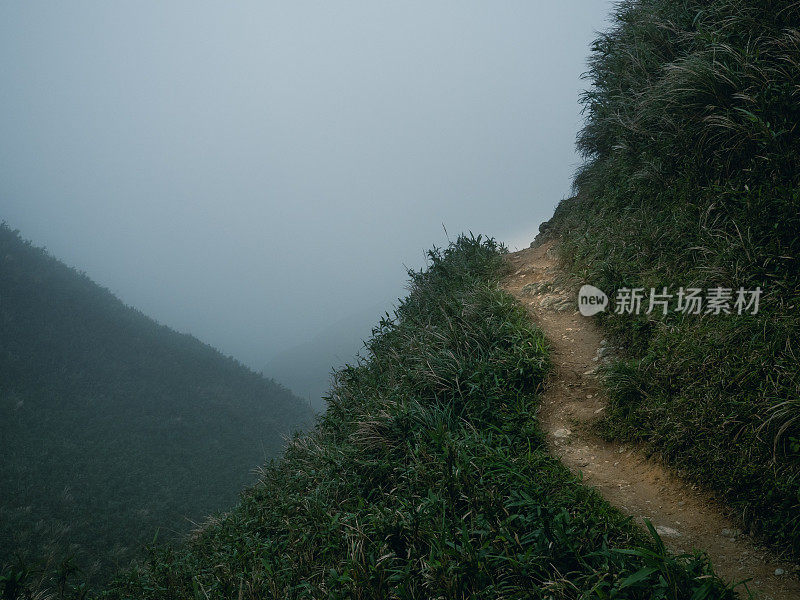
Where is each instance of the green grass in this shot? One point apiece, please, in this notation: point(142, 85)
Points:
point(691, 179)
point(427, 478)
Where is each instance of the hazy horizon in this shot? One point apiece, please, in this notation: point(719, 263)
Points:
point(251, 173)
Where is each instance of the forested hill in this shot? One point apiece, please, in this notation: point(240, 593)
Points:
point(112, 425)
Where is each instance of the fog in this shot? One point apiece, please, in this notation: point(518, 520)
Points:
point(252, 172)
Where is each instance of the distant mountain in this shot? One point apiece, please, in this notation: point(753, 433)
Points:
point(112, 426)
point(306, 368)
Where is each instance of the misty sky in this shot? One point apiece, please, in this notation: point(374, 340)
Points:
point(250, 171)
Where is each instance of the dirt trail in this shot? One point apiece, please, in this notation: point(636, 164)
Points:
point(685, 518)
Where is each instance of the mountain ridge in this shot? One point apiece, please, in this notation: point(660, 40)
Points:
point(106, 411)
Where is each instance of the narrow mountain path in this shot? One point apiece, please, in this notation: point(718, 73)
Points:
point(685, 517)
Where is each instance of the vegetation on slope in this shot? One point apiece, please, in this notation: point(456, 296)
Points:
point(113, 427)
point(427, 477)
point(691, 180)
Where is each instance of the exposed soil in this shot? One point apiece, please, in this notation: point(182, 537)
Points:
point(686, 518)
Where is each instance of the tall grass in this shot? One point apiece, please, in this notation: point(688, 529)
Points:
point(427, 478)
point(691, 179)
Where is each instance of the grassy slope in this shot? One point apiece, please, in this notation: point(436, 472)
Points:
point(691, 180)
point(426, 478)
point(111, 425)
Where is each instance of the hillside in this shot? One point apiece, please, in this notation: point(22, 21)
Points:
point(691, 181)
point(113, 428)
point(427, 477)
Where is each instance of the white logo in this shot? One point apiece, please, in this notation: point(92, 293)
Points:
point(591, 300)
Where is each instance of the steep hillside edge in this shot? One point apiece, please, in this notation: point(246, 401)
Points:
point(427, 477)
